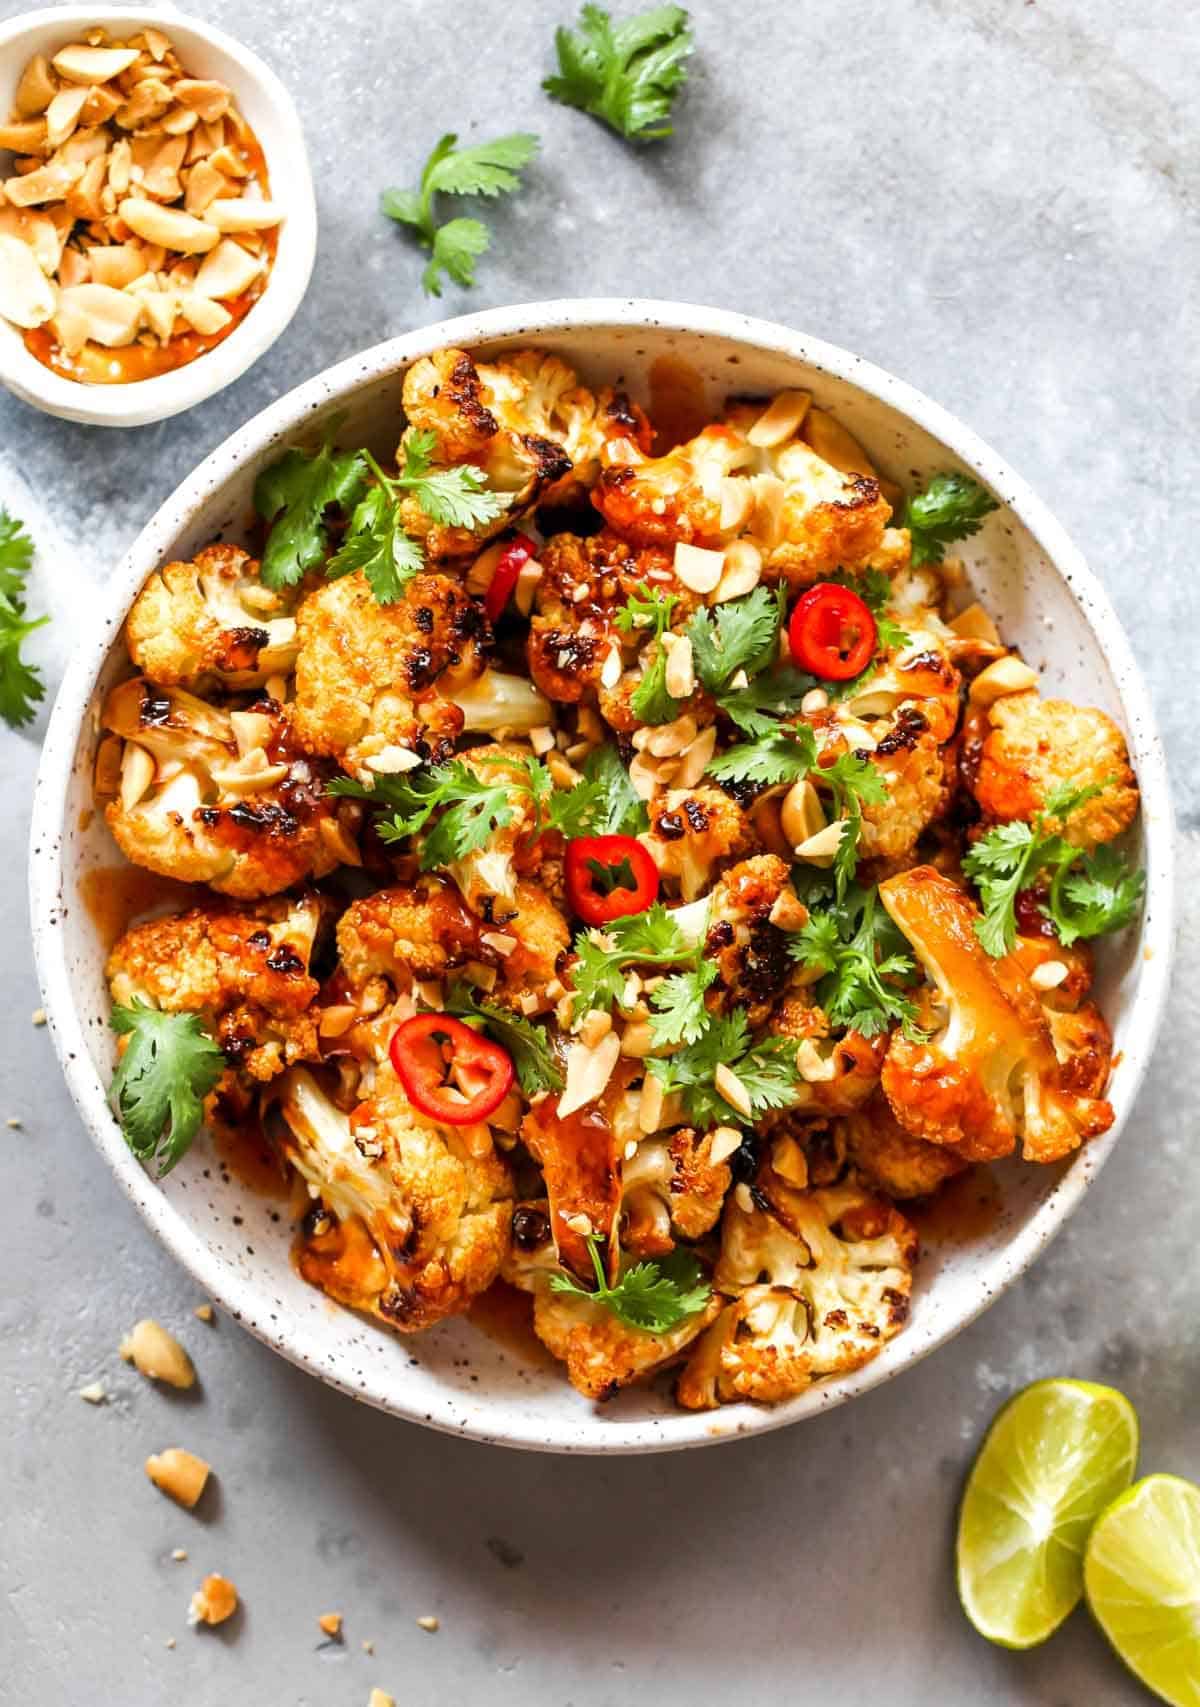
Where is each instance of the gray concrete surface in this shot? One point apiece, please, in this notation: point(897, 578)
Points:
point(995, 200)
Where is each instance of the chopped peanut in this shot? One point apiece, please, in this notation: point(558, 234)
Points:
point(213, 1602)
point(157, 1355)
point(178, 1473)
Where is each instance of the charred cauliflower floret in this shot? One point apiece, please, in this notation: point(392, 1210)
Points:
point(409, 1220)
point(818, 1281)
point(891, 1158)
point(671, 1188)
point(583, 584)
point(211, 620)
point(375, 683)
point(1036, 747)
point(837, 1074)
point(243, 970)
point(917, 679)
point(987, 1077)
point(750, 952)
point(691, 830)
point(601, 1353)
point(223, 798)
point(532, 392)
point(913, 769)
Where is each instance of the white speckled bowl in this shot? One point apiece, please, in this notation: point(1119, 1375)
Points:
point(455, 1378)
point(207, 52)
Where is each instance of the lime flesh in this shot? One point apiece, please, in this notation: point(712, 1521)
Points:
point(1057, 1455)
point(1142, 1577)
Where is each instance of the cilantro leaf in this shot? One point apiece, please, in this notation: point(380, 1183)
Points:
point(21, 686)
point(168, 1068)
point(651, 938)
point(952, 507)
point(650, 702)
point(742, 634)
point(294, 496)
point(377, 544)
point(778, 693)
point(766, 1069)
point(603, 804)
point(483, 169)
point(629, 74)
point(680, 1015)
point(1000, 865)
point(527, 1043)
point(856, 946)
point(472, 807)
point(782, 753)
point(653, 1297)
point(854, 782)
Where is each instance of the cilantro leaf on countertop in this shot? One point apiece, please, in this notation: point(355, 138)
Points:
point(168, 1068)
point(952, 507)
point(481, 169)
point(527, 1043)
point(653, 1296)
point(625, 74)
point(21, 686)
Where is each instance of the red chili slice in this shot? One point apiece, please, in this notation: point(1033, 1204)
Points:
point(509, 565)
point(423, 1051)
point(831, 632)
point(608, 877)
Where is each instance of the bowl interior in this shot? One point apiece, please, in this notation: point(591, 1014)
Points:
point(457, 1376)
point(205, 52)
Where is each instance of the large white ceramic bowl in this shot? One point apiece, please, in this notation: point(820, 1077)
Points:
point(456, 1378)
point(206, 52)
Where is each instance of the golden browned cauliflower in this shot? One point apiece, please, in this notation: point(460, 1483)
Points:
point(533, 392)
point(918, 678)
point(1036, 746)
point(211, 620)
point(987, 1077)
point(691, 831)
point(891, 1158)
point(377, 683)
point(670, 1188)
point(409, 1220)
point(601, 1353)
point(817, 1282)
point(244, 970)
point(914, 772)
point(223, 798)
point(751, 953)
point(837, 1074)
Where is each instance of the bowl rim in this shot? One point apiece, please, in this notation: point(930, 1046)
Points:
point(587, 1434)
point(142, 402)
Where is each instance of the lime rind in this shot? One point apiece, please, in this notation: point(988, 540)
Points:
point(1142, 1579)
point(1056, 1455)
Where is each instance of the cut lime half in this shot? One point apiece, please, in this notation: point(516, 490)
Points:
point(1142, 1576)
point(1056, 1455)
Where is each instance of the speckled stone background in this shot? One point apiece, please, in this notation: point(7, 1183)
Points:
point(995, 200)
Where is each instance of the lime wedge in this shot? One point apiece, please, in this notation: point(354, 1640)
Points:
point(1056, 1455)
point(1142, 1577)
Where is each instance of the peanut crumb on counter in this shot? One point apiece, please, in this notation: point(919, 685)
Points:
point(157, 1354)
point(368, 1647)
point(180, 1474)
point(213, 1602)
point(203, 1312)
point(430, 1623)
point(179, 1554)
point(331, 1623)
point(13, 1123)
point(380, 1699)
point(170, 1642)
point(93, 1394)
point(38, 1016)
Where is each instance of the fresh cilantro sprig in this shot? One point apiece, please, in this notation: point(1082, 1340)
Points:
point(650, 702)
point(21, 686)
point(484, 169)
point(626, 74)
point(741, 634)
point(766, 1069)
point(527, 1043)
point(471, 807)
point(652, 938)
point(1088, 895)
point(862, 957)
point(952, 507)
point(854, 782)
point(295, 495)
point(783, 752)
point(680, 1015)
point(168, 1068)
point(653, 1297)
point(757, 708)
point(605, 803)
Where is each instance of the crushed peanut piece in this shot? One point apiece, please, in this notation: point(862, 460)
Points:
point(203, 1312)
point(38, 1016)
point(93, 1394)
point(178, 1473)
point(213, 1602)
point(429, 1622)
point(379, 1699)
point(179, 1554)
point(157, 1355)
point(331, 1624)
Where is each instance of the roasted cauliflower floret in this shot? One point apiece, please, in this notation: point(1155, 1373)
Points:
point(913, 769)
point(376, 683)
point(410, 1220)
point(988, 1075)
point(533, 392)
point(243, 970)
point(602, 1355)
point(211, 620)
point(818, 1281)
point(918, 678)
point(223, 798)
point(671, 1189)
point(691, 830)
point(837, 1074)
point(751, 953)
point(1036, 747)
point(892, 1159)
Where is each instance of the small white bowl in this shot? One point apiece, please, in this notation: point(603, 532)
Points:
point(268, 108)
point(1021, 565)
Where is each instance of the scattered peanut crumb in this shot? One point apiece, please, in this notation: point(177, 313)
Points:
point(331, 1623)
point(94, 1393)
point(203, 1312)
point(379, 1699)
point(170, 1642)
point(178, 1473)
point(13, 1123)
point(368, 1647)
point(429, 1622)
point(179, 1554)
point(38, 1016)
point(157, 1354)
point(213, 1602)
